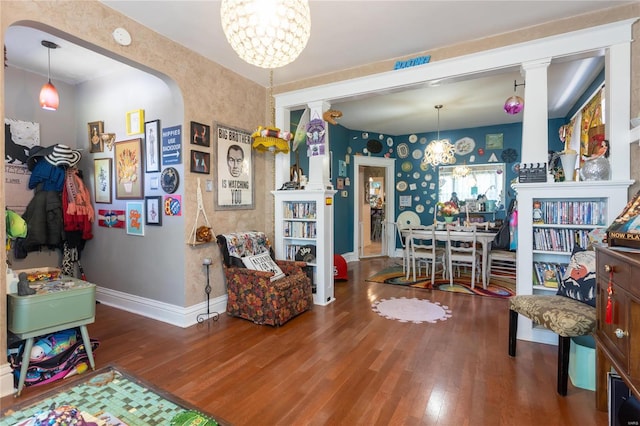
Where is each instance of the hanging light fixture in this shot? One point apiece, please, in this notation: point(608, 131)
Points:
point(49, 98)
point(271, 138)
point(266, 33)
point(439, 151)
point(514, 104)
point(461, 170)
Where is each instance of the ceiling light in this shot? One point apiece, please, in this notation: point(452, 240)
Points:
point(514, 104)
point(461, 170)
point(49, 98)
point(266, 33)
point(439, 151)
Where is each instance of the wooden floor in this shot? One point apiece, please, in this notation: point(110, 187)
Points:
point(342, 364)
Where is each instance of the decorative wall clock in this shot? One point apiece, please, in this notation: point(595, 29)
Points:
point(169, 180)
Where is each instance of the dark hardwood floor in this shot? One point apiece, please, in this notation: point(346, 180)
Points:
point(343, 364)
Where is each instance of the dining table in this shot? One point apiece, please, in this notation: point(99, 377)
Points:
point(484, 237)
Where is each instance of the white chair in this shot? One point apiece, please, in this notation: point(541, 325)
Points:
point(405, 252)
point(462, 250)
point(481, 226)
point(501, 263)
point(423, 249)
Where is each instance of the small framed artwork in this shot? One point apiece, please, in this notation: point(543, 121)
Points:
point(200, 134)
point(153, 207)
point(234, 188)
point(152, 146)
point(494, 141)
point(96, 128)
point(200, 162)
point(135, 122)
point(135, 218)
point(102, 180)
point(129, 176)
point(340, 183)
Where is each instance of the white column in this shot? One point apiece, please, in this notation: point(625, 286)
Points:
point(319, 165)
point(617, 115)
point(535, 140)
point(282, 161)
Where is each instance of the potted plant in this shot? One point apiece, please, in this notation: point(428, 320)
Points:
point(448, 210)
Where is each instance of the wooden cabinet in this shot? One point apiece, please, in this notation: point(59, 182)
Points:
point(574, 209)
point(617, 341)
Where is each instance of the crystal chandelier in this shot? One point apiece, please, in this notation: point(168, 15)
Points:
point(439, 151)
point(514, 104)
point(266, 33)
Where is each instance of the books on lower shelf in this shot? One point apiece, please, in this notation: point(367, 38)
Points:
point(559, 239)
point(548, 274)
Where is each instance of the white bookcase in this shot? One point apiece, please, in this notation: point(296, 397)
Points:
point(574, 208)
point(303, 226)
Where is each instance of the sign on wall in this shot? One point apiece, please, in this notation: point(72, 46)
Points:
point(172, 145)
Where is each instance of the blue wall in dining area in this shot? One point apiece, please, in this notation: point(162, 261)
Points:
point(424, 181)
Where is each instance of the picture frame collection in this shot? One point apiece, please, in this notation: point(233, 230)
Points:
point(152, 150)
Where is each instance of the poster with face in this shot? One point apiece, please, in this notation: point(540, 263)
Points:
point(234, 171)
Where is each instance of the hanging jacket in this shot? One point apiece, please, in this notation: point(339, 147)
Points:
point(44, 222)
point(52, 177)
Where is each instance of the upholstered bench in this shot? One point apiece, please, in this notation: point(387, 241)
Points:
point(564, 316)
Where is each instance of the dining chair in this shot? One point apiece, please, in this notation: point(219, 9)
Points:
point(501, 263)
point(403, 243)
point(462, 250)
point(480, 226)
point(424, 249)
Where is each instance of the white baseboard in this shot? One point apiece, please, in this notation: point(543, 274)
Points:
point(6, 380)
point(165, 312)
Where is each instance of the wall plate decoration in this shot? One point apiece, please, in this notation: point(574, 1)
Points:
point(413, 138)
point(403, 150)
point(419, 208)
point(417, 154)
point(374, 146)
point(464, 146)
point(401, 186)
point(389, 141)
point(407, 166)
point(509, 155)
point(169, 180)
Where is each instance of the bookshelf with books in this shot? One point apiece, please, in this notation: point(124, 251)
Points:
point(563, 216)
point(304, 231)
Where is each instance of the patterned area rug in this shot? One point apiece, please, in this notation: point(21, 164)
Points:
point(412, 310)
point(498, 286)
point(106, 397)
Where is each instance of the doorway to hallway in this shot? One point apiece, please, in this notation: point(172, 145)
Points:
point(374, 206)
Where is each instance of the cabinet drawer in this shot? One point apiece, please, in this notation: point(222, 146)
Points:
point(618, 344)
point(621, 271)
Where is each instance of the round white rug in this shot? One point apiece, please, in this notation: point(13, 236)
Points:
point(412, 310)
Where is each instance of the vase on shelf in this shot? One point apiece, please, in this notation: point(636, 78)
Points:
point(595, 169)
point(568, 165)
point(448, 219)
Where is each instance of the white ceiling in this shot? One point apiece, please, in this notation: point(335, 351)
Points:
point(347, 34)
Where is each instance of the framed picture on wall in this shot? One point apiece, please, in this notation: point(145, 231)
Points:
point(234, 171)
point(153, 207)
point(129, 175)
point(200, 134)
point(135, 218)
point(152, 146)
point(135, 122)
point(200, 162)
point(102, 180)
point(96, 129)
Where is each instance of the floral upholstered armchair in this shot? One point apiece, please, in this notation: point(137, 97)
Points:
point(271, 292)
